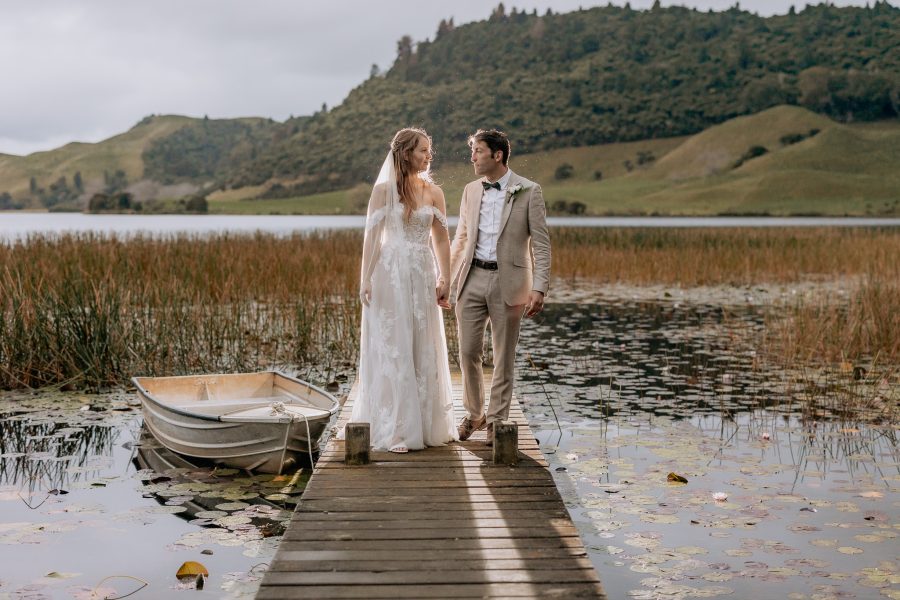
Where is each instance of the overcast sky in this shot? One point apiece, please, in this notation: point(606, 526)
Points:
point(87, 70)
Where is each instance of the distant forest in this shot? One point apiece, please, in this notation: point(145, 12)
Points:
point(555, 80)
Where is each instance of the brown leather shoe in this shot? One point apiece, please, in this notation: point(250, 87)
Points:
point(467, 427)
point(490, 434)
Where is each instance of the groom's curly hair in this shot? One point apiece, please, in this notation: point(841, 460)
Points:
point(494, 139)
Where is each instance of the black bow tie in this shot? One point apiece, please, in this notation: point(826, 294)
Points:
point(486, 185)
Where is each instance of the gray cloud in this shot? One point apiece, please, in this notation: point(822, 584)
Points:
point(88, 70)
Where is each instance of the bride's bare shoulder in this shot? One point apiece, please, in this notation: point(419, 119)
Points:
point(436, 197)
point(434, 191)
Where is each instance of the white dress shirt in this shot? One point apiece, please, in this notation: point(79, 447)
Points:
point(489, 220)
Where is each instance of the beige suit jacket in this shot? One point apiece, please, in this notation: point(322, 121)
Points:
point(523, 246)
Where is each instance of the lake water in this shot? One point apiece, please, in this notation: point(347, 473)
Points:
point(89, 501)
point(14, 225)
point(789, 494)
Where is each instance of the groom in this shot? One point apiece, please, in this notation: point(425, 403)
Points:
point(500, 271)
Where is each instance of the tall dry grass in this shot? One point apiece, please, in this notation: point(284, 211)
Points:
point(727, 256)
point(91, 311)
point(863, 325)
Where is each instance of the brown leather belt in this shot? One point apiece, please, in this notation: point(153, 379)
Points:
point(490, 265)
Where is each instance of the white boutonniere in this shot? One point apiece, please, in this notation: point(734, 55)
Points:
point(514, 190)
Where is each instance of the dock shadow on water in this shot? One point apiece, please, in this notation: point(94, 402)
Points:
point(789, 494)
point(93, 507)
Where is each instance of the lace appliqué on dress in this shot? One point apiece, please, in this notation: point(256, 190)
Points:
point(442, 219)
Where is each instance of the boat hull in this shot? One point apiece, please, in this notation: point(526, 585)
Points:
point(262, 422)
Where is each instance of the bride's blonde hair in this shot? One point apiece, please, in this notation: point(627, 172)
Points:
point(405, 142)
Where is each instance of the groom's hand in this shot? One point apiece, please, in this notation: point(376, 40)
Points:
point(535, 303)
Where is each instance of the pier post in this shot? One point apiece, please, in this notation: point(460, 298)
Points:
point(506, 443)
point(356, 444)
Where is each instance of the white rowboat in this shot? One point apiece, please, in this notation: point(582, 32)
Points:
point(254, 421)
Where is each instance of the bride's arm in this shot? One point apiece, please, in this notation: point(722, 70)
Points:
point(440, 240)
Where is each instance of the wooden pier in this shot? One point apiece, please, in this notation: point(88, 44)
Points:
point(439, 523)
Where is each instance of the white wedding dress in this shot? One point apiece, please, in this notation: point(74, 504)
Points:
point(404, 376)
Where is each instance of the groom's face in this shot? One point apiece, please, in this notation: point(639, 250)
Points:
point(485, 164)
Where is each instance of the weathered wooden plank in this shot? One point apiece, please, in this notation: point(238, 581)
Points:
point(475, 442)
point(475, 454)
point(476, 496)
point(377, 474)
point(489, 557)
point(417, 515)
point(375, 486)
point(449, 544)
point(470, 463)
point(468, 466)
point(447, 591)
point(431, 488)
point(432, 577)
point(437, 564)
point(361, 504)
point(432, 533)
point(458, 523)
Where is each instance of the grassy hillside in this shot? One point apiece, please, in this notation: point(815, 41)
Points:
point(841, 169)
point(125, 152)
point(120, 152)
point(716, 149)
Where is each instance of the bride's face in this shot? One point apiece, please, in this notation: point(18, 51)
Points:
point(420, 157)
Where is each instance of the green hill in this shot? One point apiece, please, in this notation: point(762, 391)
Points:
point(598, 76)
point(717, 149)
point(158, 151)
point(122, 152)
point(804, 164)
point(840, 169)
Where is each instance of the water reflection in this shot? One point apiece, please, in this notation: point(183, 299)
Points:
point(790, 493)
point(50, 443)
point(208, 493)
point(635, 357)
point(76, 473)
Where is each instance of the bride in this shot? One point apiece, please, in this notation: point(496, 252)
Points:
point(404, 376)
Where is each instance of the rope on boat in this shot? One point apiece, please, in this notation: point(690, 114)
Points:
point(277, 409)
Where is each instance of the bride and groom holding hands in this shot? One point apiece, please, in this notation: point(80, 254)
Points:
point(496, 270)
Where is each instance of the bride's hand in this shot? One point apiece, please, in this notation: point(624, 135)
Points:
point(442, 291)
point(365, 294)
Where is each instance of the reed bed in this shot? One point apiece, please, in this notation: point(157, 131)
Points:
point(846, 330)
point(698, 257)
point(830, 327)
point(91, 311)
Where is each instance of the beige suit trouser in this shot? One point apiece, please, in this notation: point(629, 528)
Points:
point(480, 302)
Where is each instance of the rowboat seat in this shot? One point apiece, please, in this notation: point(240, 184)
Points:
point(260, 406)
point(258, 412)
